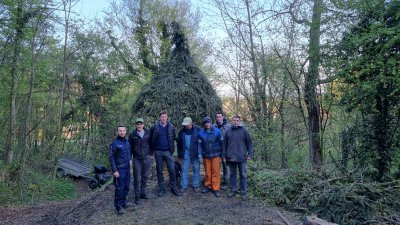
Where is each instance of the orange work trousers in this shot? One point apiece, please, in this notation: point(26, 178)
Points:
point(213, 176)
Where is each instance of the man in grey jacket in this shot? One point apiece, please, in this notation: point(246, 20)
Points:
point(238, 148)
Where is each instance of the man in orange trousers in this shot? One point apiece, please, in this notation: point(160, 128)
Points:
point(211, 142)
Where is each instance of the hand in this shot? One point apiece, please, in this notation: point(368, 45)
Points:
point(249, 158)
point(116, 174)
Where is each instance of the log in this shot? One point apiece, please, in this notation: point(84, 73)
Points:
point(313, 220)
point(283, 218)
point(273, 223)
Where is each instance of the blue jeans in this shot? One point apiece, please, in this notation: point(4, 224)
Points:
point(187, 160)
point(241, 166)
point(161, 157)
point(122, 187)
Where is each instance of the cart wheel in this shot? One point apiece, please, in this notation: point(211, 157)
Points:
point(60, 172)
point(93, 183)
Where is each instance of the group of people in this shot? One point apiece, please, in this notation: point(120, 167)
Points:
point(212, 145)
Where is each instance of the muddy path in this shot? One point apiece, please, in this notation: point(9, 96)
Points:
point(190, 208)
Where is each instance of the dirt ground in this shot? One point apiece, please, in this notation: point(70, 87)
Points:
point(96, 207)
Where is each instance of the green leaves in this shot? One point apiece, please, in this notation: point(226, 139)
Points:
point(370, 56)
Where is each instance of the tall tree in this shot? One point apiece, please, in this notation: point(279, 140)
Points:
point(240, 20)
point(20, 17)
point(67, 6)
point(140, 32)
point(311, 78)
point(39, 27)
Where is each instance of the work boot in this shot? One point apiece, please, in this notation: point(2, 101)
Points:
point(217, 193)
point(243, 196)
point(137, 200)
point(128, 204)
point(205, 190)
point(175, 192)
point(144, 196)
point(224, 183)
point(120, 211)
point(161, 192)
point(231, 194)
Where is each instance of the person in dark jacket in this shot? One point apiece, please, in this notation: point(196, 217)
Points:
point(162, 136)
point(222, 125)
point(238, 148)
point(120, 156)
point(211, 142)
point(188, 152)
point(139, 141)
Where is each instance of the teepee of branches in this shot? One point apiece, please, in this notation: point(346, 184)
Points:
point(179, 87)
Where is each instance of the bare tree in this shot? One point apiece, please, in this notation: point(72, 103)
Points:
point(240, 22)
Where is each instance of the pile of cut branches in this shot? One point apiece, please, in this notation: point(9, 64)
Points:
point(179, 87)
point(343, 200)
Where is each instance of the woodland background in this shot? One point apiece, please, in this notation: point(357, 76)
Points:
point(317, 83)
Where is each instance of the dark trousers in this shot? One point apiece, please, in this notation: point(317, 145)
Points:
point(141, 169)
point(241, 166)
point(161, 157)
point(224, 172)
point(122, 187)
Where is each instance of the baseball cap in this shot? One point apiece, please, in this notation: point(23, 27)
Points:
point(139, 120)
point(187, 121)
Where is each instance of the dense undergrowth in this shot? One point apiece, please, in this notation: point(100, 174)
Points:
point(35, 188)
point(341, 199)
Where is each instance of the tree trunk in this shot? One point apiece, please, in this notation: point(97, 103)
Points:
point(284, 160)
point(257, 84)
point(28, 113)
point(315, 150)
point(381, 134)
point(64, 66)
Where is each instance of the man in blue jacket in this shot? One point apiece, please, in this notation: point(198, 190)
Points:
point(211, 142)
point(120, 156)
point(162, 137)
point(188, 152)
point(238, 148)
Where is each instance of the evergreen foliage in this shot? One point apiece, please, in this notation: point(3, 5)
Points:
point(370, 57)
point(179, 87)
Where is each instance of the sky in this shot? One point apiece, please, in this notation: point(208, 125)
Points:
point(90, 9)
